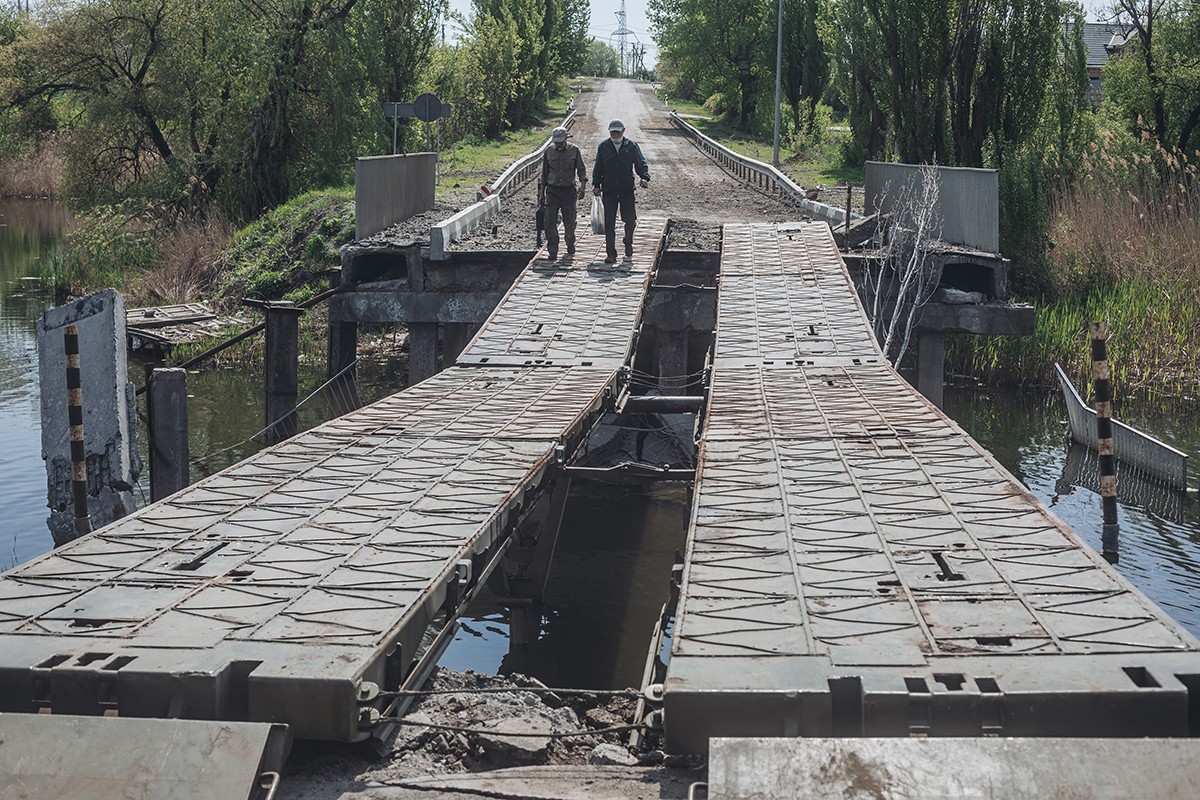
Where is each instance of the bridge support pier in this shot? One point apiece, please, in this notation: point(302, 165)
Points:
point(168, 432)
point(671, 350)
point(282, 366)
point(931, 365)
point(422, 351)
point(455, 338)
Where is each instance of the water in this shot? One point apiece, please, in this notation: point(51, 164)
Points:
point(606, 590)
point(609, 578)
point(1160, 529)
point(28, 242)
point(225, 407)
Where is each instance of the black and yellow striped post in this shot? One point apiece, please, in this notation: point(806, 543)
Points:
point(1102, 384)
point(79, 488)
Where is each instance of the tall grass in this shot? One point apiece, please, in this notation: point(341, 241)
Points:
point(38, 173)
point(1126, 252)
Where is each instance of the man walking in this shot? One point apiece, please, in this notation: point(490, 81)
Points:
point(612, 178)
point(560, 164)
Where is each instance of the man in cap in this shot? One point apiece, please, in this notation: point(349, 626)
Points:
point(560, 164)
point(617, 159)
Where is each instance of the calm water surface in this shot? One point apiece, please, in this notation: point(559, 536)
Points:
point(614, 558)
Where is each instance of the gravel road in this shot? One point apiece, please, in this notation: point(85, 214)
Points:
point(688, 188)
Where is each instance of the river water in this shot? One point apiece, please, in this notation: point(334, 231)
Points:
point(614, 558)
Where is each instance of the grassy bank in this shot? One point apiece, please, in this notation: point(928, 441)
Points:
point(473, 161)
point(1125, 234)
point(1154, 342)
point(35, 173)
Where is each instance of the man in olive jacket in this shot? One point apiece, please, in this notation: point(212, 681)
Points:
point(560, 163)
point(617, 159)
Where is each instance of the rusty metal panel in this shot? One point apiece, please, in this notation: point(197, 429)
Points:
point(577, 311)
point(785, 298)
point(857, 565)
point(80, 758)
point(280, 587)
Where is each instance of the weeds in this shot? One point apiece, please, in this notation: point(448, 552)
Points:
point(38, 173)
point(1126, 231)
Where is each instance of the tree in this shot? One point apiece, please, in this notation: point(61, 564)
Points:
point(602, 60)
point(948, 75)
point(182, 102)
point(721, 40)
point(1157, 81)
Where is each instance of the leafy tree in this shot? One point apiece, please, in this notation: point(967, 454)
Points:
point(948, 75)
point(602, 60)
point(1156, 83)
point(722, 40)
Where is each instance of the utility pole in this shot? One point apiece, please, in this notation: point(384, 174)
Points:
point(622, 33)
point(778, 74)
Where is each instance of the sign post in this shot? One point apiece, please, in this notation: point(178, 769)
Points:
point(427, 108)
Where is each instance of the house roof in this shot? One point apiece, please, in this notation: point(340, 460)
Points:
point(1104, 39)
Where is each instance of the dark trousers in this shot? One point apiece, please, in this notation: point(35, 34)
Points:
point(560, 198)
point(612, 202)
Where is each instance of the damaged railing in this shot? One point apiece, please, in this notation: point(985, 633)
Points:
point(761, 174)
point(488, 200)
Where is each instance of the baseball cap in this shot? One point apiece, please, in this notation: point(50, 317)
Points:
point(558, 135)
point(616, 125)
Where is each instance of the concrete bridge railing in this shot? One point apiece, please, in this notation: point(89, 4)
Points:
point(488, 202)
point(765, 176)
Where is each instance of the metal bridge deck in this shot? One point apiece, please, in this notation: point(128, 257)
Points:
point(857, 565)
point(290, 586)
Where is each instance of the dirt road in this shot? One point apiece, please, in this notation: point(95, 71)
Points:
point(687, 187)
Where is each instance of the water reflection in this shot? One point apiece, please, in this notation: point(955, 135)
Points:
point(29, 239)
point(606, 591)
point(1160, 531)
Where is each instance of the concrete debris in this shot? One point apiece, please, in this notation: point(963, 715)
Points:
point(958, 297)
point(611, 755)
point(481, 740)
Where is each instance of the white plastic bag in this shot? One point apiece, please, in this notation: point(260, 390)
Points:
point(597, 215)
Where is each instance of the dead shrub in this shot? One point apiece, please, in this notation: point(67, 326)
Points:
point(191, 262)
point(35, 174)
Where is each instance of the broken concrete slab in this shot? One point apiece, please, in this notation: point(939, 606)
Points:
point(109, 412)
point(532, 783)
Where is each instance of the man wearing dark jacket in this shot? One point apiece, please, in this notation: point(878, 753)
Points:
point(617, 159)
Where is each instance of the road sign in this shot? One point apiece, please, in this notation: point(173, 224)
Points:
point(398, 110)
point(427, 107)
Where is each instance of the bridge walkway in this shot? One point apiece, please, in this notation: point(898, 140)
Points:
point(294, 586)
point(858, 566)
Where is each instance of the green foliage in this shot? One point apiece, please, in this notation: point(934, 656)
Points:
point(1155, 81)
point(102, 251)
point(283, 252)
point(718, 47)
point(942, 77)
point(602, 60)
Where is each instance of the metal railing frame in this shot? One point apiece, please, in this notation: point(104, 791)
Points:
point(760, 174)
point(515, 176)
